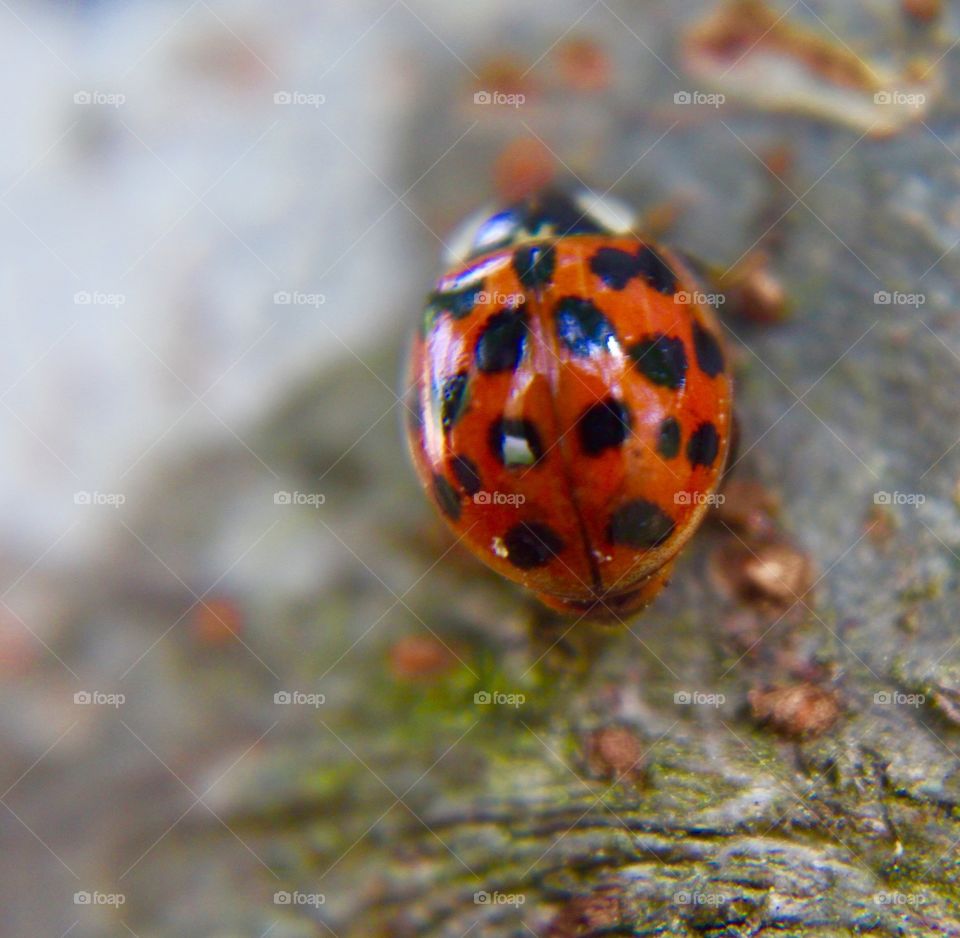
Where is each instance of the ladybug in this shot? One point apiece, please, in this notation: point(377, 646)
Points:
point(570, 402)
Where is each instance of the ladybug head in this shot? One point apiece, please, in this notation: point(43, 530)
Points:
point(546, 214)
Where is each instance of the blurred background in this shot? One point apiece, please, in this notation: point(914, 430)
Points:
point(227, 617)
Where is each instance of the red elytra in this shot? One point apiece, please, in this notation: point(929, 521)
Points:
point(572, 405)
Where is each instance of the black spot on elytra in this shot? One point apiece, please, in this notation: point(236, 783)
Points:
point(603, 425)
point(662, 359)
point(458, 303)
point(531, 544)
point(515, 442)
point(453, 399)
point(640, 524)
point(616, 268)
point(581, 327)
point(447, 497)
point(668, 438)
point(656, 271)
point(501, 343)
point(703, 445)
point(533, 264)
point(465, 471)
point(708, 351)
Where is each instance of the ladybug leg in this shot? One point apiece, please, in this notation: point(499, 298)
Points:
point(567, 643)
point(753, 293)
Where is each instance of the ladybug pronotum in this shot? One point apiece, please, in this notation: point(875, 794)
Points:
point(571, 402)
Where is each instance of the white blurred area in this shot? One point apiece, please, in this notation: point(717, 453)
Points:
point(155, 196)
